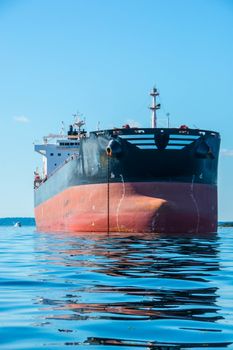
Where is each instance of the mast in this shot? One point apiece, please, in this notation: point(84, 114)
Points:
point(78, 122)
point(154, 93)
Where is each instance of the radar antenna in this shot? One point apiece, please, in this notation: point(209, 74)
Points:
point(78, 122)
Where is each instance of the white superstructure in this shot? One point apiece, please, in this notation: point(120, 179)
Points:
point(54, 154)
point(56, 149)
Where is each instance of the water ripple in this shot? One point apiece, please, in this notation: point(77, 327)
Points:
point(103, 291)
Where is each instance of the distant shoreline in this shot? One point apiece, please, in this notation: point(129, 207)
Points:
point(225, 223)
point(10, 221)
point(30, 221)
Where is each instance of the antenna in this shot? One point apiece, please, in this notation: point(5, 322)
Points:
point(62, 128)
point(154, 93)
point(77, 115)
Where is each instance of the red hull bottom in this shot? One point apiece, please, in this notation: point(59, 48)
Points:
point(132, 207)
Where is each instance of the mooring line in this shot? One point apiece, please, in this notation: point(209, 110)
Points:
point(120, 201)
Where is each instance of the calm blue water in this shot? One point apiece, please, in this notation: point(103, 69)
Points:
point(59, 291)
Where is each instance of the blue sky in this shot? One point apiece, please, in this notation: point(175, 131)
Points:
point(102, 57)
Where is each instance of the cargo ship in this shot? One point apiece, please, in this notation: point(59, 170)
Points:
point(128, 179)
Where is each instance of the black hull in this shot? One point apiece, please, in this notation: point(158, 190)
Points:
point(113, 156)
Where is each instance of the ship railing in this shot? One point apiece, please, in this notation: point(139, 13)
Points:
point(159, 138)
point(67, 160)
point(138, 131)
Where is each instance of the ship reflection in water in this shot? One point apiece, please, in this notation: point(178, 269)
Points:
point(157, 292)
